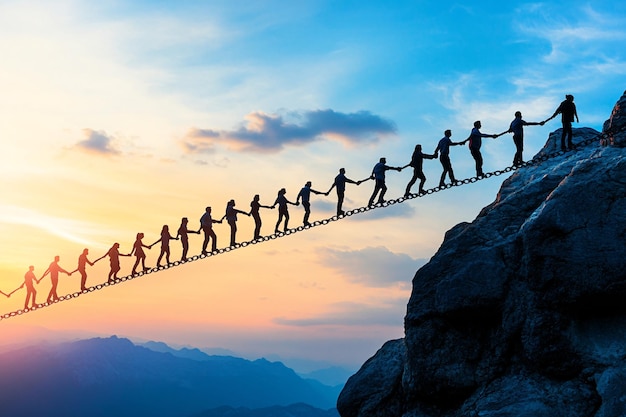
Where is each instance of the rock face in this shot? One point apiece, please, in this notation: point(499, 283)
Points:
point(523, 311)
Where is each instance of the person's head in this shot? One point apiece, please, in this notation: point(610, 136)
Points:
point(383, 160)
point(447, 133)
point(282, 191)
point(477, 124)
point(518, 114)
point(56, 258)
point(256, 197)
point(184, 220)
point(231, 203)
point(31, 268)
point(342, 170)
point(166, 228)
point(418, 147)
point(308, 184)
point(208, 209)
point(139, 235)
point(569, 97)
point(85, 251)
point(116, 245)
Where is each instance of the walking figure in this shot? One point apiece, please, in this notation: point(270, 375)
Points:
point(567, 108)
point(305, 194)
point(417, 162)
point(184, 238)
point(231, 218)
point(443, 149)
point(340, 184)
point(165, 244)
point(255, 205)
point(475, 142)
point(82, 268)
point(517, 128)
point(140, 255)
point(206, 225)
point(54, 270)
point(29, 277)
point(378, 175)
point(114, 260)
point(282, 202)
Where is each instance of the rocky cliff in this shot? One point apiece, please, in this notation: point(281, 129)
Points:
point(523, 311)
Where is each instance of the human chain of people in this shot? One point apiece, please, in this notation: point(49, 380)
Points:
point(568, 112)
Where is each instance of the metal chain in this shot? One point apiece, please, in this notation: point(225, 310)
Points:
point(538, 160)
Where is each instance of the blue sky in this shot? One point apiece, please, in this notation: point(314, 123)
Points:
point(122, 116)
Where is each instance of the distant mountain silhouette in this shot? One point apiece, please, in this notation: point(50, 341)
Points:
point(294, 410)
point(113, 377)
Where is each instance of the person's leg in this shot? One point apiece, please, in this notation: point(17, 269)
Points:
point(213, 241)
point(307, 212)
point(340, 195)
point(286, 220)
point(407, 191)
point(383, 190)
point(422, 178)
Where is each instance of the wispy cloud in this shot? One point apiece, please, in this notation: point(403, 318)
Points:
point(98, 143)
point(376, 267)
point(385, 313)
point(271, 132)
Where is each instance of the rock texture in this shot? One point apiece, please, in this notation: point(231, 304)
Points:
point(523, 311)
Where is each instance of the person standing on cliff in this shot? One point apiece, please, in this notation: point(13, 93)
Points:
point(517, 128)
point(378, 175)
point(443, 149)
point(417, 162)
point(475, 142)
point(567, 108)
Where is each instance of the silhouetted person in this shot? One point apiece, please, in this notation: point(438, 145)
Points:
point(443, 149)
point(255, 205)
point(475, 142)
point(417, 162)
point(206, 225)
point(29, 277)
point(184, 238)
point(82, 268)
point(54, 270)
point(165, 244)
point(140, 255)
point(567, 108)
point(305, 195)
point(114, 260)
point(231, 218)
point(517, 128)
point(282, 202)
point(340, 184)
point(378, 175)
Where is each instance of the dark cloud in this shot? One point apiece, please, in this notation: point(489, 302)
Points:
point(376, 267)
point(270, 133)
point(389, 313)
point(98, 143)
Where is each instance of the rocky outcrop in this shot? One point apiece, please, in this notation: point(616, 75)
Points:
point(523, 311)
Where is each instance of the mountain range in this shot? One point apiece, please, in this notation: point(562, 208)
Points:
point(114, 377)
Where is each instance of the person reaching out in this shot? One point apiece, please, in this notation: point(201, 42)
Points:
point(568, 112)
point(475, 142)
point(140, 255)
point(82, 268)
point(305, 194)
point(255, 206)
point(283, 211)
point(54, 270)
point(417, 162)
point(517, 128)
point(183, 233)
point(29, 278)
point(378, 175)
point(114, 259)
point(443, 149)
point(165, 244)
point(231, 218)
point(206, 225)
point(340, 185)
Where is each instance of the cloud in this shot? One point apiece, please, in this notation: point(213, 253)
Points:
point(375, 267)
point(98, 143)
point(271, 132)
point(386, 313)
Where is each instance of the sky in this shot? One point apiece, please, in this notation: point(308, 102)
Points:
point(120, 117)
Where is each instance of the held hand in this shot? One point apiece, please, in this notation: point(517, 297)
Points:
point(541, 123)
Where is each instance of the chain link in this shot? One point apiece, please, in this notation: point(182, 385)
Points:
point(537, 160)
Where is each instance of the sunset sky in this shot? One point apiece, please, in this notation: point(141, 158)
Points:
point(119, 117)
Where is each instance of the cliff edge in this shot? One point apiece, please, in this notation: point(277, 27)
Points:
point(523, 311)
